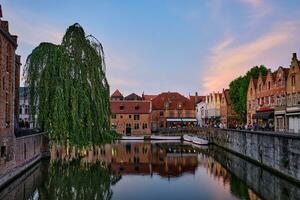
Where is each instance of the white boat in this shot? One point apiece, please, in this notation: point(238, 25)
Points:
point(187, 138)
point(200, 141)
point(132, 137)
point(162, 137)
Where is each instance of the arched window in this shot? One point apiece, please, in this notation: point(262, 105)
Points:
point(269, 85)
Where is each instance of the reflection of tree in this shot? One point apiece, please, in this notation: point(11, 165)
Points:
point(239, 188)
point(73, 180)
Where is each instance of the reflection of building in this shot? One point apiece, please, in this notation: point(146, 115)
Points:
point(171, 109)
point(131, 117)
point(228, 117)
point(167, 160)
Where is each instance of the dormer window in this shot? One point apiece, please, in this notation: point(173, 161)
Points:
point(121, 107)
point(179, 105)
point(137, 107)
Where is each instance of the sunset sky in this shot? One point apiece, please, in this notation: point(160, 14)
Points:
point(161, 45)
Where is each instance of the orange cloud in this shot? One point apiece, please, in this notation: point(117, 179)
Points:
point(228, 60)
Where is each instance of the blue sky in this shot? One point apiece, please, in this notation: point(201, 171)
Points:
point(168, 45)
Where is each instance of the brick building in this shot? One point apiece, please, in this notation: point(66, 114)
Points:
point(170, 110)
point(266, 100)
point(9, 83)
point(293, 95)
point(130, 117)
point(227, 115)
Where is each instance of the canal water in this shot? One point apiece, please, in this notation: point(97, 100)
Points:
point(148, 170)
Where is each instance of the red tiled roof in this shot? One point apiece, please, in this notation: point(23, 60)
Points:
point(133, 96)
point(117, 93)
point(149, 97)
point(130, 107)
point(173, 99)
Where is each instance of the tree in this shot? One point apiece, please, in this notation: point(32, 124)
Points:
point(69, 93)
point(238, 90)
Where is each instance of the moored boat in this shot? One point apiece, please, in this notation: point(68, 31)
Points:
point(187, 138)
point(132, 137)
point(165, 137)
point(199, 141)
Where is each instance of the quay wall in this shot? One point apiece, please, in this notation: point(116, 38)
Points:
point(27, 150)
point(276, 151)
point(264, 183)
point(279, 152)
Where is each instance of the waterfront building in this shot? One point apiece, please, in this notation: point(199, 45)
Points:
point(9, 83)
point(201, 113)
point(266, 100)
point(228, 117)
point(172, 110)
point(24, 117)
point(116, 96)
point(130, 117)
point(213, 106)
point(293, 95)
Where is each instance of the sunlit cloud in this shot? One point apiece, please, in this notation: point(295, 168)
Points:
point(227, 61)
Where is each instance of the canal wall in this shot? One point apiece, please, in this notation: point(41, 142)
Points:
point(28, 149)
point(279, 152)
point(267, 185)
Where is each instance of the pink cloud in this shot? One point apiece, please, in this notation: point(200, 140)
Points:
point(228, 60)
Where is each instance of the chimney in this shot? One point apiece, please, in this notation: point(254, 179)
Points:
point(294, 56)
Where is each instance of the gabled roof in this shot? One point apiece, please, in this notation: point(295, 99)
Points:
point(197, 99)
point(149, 97)
point(130, 107)
point(173, 99)
point(117, 93)
point(227, 97)
point(133, 96)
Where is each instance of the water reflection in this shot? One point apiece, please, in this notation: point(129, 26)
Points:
point(127, 170)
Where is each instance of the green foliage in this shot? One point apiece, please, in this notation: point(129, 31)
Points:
point(238, 90)
point(74, 180)
point(69, 93)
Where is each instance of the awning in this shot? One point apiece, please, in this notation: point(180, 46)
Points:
point(263, 115)
point(181, 120)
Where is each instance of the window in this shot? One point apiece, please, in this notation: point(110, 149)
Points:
point(26, 111)
point(136, 117)
point(293, 80)
point(161, 113)
point(113, 116)
point(145, 125)
point(121, 107)
point(20, 111)
point(129, 116)
point(121, 116)
point(136, 126)
point(137, 107)
point(269, 85)
point(3, 151)
point(251, 91)
point(259, 87)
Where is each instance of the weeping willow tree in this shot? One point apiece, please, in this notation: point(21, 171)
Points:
point(68, 90)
